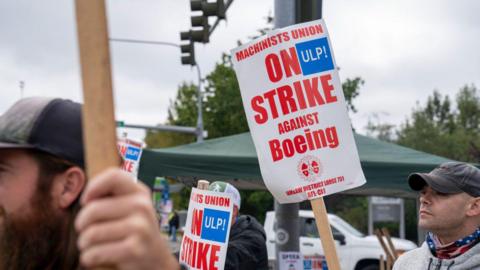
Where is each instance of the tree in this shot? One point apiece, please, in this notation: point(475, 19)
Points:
point(351, 89)
point(223, 115)
point(182, 112)
point(439, 129)
point(380, 130)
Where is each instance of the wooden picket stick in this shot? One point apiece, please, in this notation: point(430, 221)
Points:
point(389, 263)
point(390, 243)
point(98, 111)
point(385, 248)
point(203, 184)
point(382, 263)
point(325, 232)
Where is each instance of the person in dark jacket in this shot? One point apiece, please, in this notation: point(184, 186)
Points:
point(247, 247)
point(173, 225)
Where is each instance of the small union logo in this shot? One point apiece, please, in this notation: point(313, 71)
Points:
point(309, 168)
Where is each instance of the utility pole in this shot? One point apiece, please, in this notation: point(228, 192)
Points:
point(287, 229)
point(288, 12)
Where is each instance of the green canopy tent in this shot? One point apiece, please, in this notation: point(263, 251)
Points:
point(234, 159)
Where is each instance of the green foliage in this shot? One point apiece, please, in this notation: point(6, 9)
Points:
point(181, 199)
point(378, 129)
point(438, 129)
point(353, 209)
point(182, 112)
point(351, 89)
point(224, 114)
point(256, 203)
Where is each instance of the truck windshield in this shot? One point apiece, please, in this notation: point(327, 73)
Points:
point(347, 227)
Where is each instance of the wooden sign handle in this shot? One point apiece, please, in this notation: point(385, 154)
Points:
point(203, 184)
point(99, 134)
point(325, 232)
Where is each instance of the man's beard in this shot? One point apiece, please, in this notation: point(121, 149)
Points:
point(35, 240)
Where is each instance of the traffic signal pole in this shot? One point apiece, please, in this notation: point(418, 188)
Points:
point(198, 130)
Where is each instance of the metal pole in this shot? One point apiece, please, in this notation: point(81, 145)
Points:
point(402, 219)
point(199, 107)
point(287, 229)
point(179, 129)
point(199, 130)
point(370, 216)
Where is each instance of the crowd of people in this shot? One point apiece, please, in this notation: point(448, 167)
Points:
point(51, 217)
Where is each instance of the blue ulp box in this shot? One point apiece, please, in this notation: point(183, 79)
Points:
point(314, 56)
point(215, 225)
point(133, 153)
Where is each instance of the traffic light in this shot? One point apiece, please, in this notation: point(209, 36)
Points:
point(200, 31)
point(189, 50)
point(195, 35)
point(209, 9)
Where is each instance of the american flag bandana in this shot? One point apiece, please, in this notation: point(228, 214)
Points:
point(453, 249)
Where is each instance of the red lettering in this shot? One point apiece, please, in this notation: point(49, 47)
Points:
point(290, 62)
point(262, 115)
point(327, 88)
point(275, 150)
point(240, 56)
point(317, 139)
point(274, 70)
point(299, 94)
point(313, 95)
point(287, 102)
point(288, 149)
point(300, 144)
point(197, 222)
point(202, 255)
point(214, 256)
point(270, 96)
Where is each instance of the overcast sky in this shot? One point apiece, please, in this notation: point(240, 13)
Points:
point(402, 49)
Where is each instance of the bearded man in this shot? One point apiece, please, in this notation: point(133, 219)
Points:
point(50, 217)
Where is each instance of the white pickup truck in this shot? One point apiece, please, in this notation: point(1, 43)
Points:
point(355, 250)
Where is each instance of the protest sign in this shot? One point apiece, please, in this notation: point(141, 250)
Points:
point(298, 119)
point(205, 240)
point(131, 151)
point(297, 113)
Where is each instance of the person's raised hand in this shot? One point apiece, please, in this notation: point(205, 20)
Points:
point(117, 226)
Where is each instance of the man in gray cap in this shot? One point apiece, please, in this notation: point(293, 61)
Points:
point(50, 218)
point(450, 212)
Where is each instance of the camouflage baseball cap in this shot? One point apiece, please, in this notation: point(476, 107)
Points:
point(50, 125)
point(219, 186)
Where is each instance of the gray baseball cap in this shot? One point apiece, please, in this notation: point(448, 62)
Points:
point(50, 125)
point(449, 178)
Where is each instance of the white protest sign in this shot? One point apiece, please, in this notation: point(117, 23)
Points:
point(205, 240)
point(297, 114)
point(131, 151)
point(290, 261)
